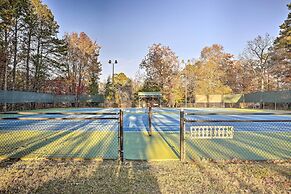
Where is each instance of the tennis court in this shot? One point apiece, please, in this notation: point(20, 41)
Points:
point(83, 134)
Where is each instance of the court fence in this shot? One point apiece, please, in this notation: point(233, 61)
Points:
point(225, 136)
point(61, 135)
point(217, 136)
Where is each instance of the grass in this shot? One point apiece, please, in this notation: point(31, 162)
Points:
point(201, 176)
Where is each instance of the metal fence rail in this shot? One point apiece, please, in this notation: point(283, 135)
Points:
point(24, 135)
point(252, 139)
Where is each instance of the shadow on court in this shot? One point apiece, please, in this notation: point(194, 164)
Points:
point(244, 146)
point(78, 141)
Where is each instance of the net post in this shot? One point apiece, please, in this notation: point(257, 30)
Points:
point(182, 135)
point(150, 121)
point(120, 136)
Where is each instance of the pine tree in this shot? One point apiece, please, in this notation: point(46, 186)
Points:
point(281, 55)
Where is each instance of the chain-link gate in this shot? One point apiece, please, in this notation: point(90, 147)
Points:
point(164, 125)
point(136, 133)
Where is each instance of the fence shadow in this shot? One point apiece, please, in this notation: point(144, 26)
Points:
point(61, 143)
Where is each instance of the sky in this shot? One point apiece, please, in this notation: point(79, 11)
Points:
point(125, 29)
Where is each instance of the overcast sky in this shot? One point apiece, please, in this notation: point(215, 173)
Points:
point(126, 28)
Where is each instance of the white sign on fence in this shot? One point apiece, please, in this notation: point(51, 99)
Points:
point(211, 132)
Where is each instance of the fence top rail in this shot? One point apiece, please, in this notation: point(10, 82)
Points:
point(236, 113)
point(56, 118)
point(238, 121)
point(59, 113)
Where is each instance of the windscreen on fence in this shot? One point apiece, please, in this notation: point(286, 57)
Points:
point(14, 97)
point(268, 97)
point(249, 136)
point(255, 97)
point(59, 135)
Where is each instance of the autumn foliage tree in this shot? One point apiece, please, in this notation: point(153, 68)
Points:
point(257, 57)
point(124, 89)
point(160, 65)
point(82, 65)
point(210, 71)
point(121, 93)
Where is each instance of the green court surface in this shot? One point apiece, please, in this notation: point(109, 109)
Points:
point(158, 146)
point(244, 145)
point(140, 146)
point(58, 144)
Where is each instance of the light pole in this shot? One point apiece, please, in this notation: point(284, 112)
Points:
point(186, 88)
point(186, 81)
point(113, 63)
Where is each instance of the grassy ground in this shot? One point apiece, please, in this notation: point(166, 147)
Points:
point(138, 145)
point(47, 176)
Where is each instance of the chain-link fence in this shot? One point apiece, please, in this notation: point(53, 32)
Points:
point(224, 136)
point(149, 134)
point(88, 135)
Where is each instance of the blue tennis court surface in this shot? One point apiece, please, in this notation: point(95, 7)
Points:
point(136, 119)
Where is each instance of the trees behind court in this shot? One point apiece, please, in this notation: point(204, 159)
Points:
point(34, 58)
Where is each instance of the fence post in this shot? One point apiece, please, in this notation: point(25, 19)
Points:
point(120, 136)
point(150, 121)
point(182, 135)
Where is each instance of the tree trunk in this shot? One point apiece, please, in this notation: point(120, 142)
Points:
point(15, 55)
point(79, 85)
point(35, 84)
point(6, 61)
point(27, 60)
point(5, 66)
point(268, 82)
point(262, 82)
